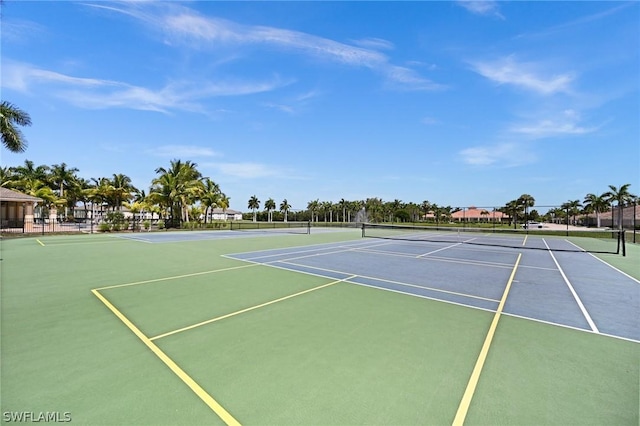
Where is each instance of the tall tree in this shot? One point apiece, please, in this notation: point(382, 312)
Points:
point(572, 208)
point(597, 204)
point(10, 118)
point(210, 196)
point(526, 201)
point(62, 176)
point(269, 205)
point(284, 208)
point(254, 204)
point(313, 207)
point(621, 196)
point(343, 205)
point(425, 207)
point(176, 188)
point(30, 170)
point(121, 190)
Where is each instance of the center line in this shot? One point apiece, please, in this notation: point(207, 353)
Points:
point(475, 375)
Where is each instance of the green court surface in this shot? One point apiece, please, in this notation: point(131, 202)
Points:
point(118, 331)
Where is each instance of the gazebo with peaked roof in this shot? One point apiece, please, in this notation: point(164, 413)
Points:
point(16, 208)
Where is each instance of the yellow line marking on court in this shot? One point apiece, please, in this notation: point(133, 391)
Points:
point(475, 375)
point(524, 243)
point(175, 277)
point(40, 242)
point(242, 311)
point(195, 387)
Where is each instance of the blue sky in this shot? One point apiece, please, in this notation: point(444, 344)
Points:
point(457, 103)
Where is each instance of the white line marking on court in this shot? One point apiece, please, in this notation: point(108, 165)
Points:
point(251, 308)
point(175, 277)
point(439, 259)
point(607, 263)
point(434, 299)
point(575, 295)
point(390, 282)
point(440, 249)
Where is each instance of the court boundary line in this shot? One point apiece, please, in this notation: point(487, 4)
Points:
point(465, 403)
point(251, 308)
point(439, 258)
point(214, 405)
point(570, 327)
point(271, 265)
point(174, 277)
point(583, 309)
point(368, 249)
point(336, 249)
point(388, 281)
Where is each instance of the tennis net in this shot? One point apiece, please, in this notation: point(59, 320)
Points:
point(274, 227)
point(591, 241)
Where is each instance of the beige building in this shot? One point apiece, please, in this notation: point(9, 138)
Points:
point(475, 214)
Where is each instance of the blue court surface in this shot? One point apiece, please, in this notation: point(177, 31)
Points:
point(570, 289)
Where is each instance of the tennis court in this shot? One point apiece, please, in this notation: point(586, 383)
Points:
point(266, 327)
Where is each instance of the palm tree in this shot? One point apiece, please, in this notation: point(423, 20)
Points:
point(11, 117)
point(572, 208)
point(374, 207)
point(597, 204)
point(313, 207)
point(121, 190)
point(210, 196)
point(7, 177)
point(511, 209)
point(425, 207)
point(343, 205)
point(177, 188)
point(254, 204)
point(223, 202)
point(526, 201)
point(269, 205)
point(621, 196)
point(284, 208)
point(31, 171)
point(61, 176)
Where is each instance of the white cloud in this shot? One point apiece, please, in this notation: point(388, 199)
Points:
point(181, 151)
point(526, 75)
point(429, 121)
point(506, 154)
point(374, 43)
point(179, 24)
point(246, 170)
point(564, 123)
point(100, 94)
point(20, 31)
point(482, 7)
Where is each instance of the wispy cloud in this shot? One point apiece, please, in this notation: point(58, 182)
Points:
point(482, 7)
point(527, 75)
point(374, 43)
point(429, 121)
point(246, 170)
point(101, 94)
point(182, 151)
point(181, 25)
point(20, 31)
point(506, 154)
point(587, 19)
point(565, 123)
